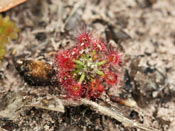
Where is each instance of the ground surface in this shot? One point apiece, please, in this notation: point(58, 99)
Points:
point(143, 30)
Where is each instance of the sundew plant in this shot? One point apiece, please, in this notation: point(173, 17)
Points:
point(89, 68)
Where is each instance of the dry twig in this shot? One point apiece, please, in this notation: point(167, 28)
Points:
point(125, 121)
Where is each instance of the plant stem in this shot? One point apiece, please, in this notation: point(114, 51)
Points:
point(100, 72)
point(82, 78)
point(78, 62)
point(101, 63)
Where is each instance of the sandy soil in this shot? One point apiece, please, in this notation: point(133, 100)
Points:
point(143, 30)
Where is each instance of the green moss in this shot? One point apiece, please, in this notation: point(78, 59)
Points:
point(8, 30)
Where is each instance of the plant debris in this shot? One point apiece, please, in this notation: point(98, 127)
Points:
point(35, 72)
point(8, 4)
